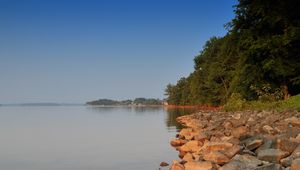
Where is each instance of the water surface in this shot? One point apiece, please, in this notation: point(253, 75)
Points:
point(90, 138)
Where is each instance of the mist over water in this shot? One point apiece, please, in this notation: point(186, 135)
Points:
point(81, 137)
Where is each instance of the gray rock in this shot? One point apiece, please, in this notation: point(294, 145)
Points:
point(242, 162)
point(272, 155)
point(271, 166)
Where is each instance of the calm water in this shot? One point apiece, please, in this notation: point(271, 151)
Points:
point(86, 138)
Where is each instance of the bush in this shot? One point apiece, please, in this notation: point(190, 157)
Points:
point(293, 103)
point(235, 102)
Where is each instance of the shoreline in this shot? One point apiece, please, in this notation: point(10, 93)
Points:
point(199, 107)
point(244, 140)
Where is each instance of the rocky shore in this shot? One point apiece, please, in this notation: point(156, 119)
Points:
point(248, 140)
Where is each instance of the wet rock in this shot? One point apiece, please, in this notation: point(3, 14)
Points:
point(272, 155)
point(295, 164)
point(199, 165)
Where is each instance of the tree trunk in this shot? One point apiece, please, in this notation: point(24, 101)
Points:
point(286, 94)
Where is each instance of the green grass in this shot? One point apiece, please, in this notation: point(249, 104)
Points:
point(236, 103)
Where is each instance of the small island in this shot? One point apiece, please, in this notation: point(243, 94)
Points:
point(136, 102)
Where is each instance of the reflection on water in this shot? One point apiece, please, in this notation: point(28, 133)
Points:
point(107, 109)
point(81, 137)
point(170, 113)
point(173, 113)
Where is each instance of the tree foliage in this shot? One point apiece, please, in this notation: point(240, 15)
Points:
point(261, 48)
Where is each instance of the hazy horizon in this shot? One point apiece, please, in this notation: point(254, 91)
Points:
point(77, 51)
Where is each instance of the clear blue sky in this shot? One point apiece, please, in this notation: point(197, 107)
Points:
point(76, 51)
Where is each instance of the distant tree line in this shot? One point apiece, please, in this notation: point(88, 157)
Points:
point(137, 101)
point(258, 58)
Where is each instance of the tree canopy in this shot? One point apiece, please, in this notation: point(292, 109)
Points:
point(257, 58)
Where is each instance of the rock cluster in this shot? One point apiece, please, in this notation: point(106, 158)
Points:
point(248, 140)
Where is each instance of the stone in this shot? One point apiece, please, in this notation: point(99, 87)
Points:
point(197, 157)
point(216, 146)
point(253, 144)
point(272, 155)
point(268, 144)
point(201, 137)
point(176, 166)
point(181, 154)
point(236, 116)
point(238, 123)
point(268, 129)
point(293, 121)
point(286, 161)
point(198, 165)
point(298, 137)
point(188, 157)
point(190, 146)
point(185, 133)
point(242, 162)
point(291, 132)
point(177, 142)
point(296, 153)
point(238, 132)
point(295, 164)
point(286, 145)
point(162, 164)
point(230, 152)
point(271, 166)
point(227, 125)
point(216, 157)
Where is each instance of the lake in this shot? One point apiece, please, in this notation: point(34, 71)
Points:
point(86, 138)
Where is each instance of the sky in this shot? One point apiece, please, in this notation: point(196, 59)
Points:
point(73, 51)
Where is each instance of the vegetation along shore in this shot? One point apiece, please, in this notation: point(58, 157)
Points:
point(253, 75)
